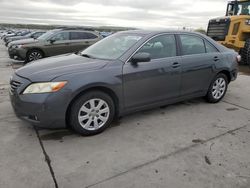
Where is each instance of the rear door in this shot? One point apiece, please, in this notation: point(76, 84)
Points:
point(81, 40)
point(198, 60)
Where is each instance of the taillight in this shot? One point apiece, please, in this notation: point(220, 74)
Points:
point(238, 58)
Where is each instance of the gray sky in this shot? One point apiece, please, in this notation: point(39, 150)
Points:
point(131, 13)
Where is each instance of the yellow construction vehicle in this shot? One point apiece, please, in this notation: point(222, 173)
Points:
point(233, 30)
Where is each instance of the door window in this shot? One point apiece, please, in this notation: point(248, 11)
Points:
point(81, 35)
point(192, 45)
point(61, 36)
point(210, 48)
point(160, 47)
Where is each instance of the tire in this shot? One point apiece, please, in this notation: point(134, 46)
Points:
point(87, 115)
point(217, 88)
point(33, 55)
point(245, 53)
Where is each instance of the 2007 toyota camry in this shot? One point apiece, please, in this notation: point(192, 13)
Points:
point(123, 73)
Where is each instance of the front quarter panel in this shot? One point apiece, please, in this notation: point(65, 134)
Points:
point(109, 77)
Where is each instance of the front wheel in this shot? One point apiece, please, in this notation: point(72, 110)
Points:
point(217, 89)
point(33, 55)
point(92, 113)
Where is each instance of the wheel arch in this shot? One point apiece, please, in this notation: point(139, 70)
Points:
point(35, 48)
point(103, 89)
point(227, 73)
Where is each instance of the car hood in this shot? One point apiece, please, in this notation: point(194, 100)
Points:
point(23, 41)
point(49, 68)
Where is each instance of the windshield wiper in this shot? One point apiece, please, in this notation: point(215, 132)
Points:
point(87, 55)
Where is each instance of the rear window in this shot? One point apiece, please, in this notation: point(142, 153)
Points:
point(82, 35)
point(91, 36)
point(210, 48)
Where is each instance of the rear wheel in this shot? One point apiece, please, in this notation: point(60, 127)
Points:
point(217, 89)
point(92, 113)
point(33, 55)
point(245, 53)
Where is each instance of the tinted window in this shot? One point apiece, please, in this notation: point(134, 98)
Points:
point(36, 35)
point(77, 35)
point(160, 47)
point(192, 45)
point(91, 36)
point(61, 36)
point(210, 48)
point(82, 35)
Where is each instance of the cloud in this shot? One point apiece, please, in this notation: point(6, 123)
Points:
point(131, 13)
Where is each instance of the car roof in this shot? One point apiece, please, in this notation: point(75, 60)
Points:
point(150, 33)
point(155, 32)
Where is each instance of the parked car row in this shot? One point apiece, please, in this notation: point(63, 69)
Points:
point(29, 46)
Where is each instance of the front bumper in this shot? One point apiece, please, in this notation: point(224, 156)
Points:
point(46, 110)
point(17, 53)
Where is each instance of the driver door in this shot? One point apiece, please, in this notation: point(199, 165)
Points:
point(58, 44)
point(159, 79)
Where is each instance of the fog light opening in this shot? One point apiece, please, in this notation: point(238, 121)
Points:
point(33, 117)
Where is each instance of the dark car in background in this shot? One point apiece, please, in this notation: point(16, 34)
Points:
point(54, 42)
point(7, 33)
point(123, 73)
point(17, 33)
point(33, 35)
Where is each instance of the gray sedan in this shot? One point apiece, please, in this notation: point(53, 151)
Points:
point(123, 73)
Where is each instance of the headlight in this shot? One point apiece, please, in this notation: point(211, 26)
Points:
point(19, 46)
point(247, 21)
point(16, 46)
point(45, 87)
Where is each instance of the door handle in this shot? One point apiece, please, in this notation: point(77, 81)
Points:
point(216, 58)
point(176, 65)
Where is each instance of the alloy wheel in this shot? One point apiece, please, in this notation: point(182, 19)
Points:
point(35, 56)
point(93, 114)
point(219, 88)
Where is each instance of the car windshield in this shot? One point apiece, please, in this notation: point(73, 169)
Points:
point(47, 34)
point(111, 47)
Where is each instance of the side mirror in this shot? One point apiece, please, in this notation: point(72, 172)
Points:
point(52, 41)
point(140, 57)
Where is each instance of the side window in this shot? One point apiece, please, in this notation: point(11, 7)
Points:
point(91, 36)
point(81, 35)
point(61, 36)
point(210, 48)
point(36, 35)
point(192, 45)
point(77, 36)
point(160, 47)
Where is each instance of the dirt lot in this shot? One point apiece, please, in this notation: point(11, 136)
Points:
point(191, 144)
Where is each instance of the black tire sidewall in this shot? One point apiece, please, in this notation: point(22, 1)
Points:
point(245, 53)
point(31, 51)
point(74, 123)
point(210, 98)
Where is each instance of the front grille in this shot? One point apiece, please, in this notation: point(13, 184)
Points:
point(14, 85)
point(218, 29)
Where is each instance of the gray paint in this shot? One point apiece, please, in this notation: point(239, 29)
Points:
point(145, 85)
